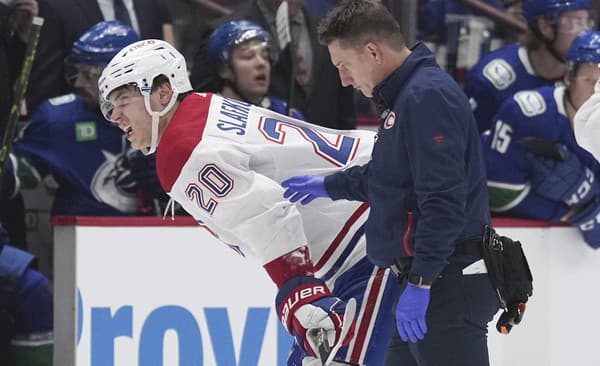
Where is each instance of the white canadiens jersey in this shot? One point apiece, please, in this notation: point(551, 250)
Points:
point(224, 161)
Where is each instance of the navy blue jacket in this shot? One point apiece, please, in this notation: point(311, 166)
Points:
point(426, 181)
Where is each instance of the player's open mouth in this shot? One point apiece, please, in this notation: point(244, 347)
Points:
point(128, 131)
point(262, 78)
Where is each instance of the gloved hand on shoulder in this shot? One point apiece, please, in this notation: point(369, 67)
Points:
point(305, 187)
point(566, 180)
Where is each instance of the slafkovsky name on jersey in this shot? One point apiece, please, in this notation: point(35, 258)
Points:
point(233, 115)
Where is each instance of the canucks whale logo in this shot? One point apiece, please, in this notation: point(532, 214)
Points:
point(112, 184)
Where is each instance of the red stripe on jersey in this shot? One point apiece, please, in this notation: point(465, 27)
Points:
point(181, 137)
point(338, 239)
point(362, 330)
point(405, 242)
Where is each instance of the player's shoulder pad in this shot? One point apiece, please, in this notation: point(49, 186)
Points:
point(500, 73)
point(530, 102)
point(62, 99)
point(495, 67)
point(58, 108)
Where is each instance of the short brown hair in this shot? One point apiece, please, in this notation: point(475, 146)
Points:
point(356, 22)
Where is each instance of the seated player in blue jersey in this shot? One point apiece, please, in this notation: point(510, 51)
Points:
point(240, 55)
point(538, 61)
point(69, 139)
point(535, 167)
point(26, 309)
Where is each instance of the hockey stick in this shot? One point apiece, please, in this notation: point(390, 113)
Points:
point(19, 93)
point(284, 36)
point(317, 338)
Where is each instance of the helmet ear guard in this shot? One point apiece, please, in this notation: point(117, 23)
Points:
point(139, 64)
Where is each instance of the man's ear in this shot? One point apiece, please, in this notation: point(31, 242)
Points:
point(225, 73)
point(374, 51)
point(567, 79)
point(165, 92)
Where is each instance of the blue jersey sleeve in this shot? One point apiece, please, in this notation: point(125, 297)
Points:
point(350, 184)
point(483, 97)
point(35, 142)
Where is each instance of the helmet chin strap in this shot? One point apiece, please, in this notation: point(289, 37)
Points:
point(155, 121)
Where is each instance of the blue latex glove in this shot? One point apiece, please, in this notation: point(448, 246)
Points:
point(410, 313)
point(307, 187)
point(568, 180)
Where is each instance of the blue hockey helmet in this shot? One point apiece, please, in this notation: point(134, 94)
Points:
point(228, 35)
point(551, 9)
point(101, 43)
point(585, 48)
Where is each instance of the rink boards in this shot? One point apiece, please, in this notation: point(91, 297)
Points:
point(144, 291)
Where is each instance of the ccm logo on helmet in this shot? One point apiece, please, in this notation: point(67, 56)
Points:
point(141, 44)
point(297, 296)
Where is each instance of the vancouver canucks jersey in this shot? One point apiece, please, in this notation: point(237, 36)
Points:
point(532, 113)
point(496, 77)
point(82, 152)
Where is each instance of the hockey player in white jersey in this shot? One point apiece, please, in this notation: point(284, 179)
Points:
point(223, 161)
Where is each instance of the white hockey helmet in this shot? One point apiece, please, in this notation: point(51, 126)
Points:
point(139, 64)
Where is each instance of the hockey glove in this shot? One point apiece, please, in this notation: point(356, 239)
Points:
point(319, 322)
point(305, 187)
point(588, 222)
point(143, 171)
point(410, 313)
point(568, 180)
point(306, 306)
